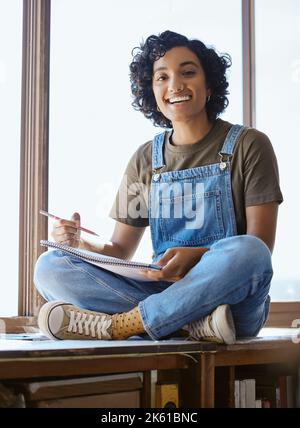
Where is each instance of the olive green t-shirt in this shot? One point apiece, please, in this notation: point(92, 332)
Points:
point(254, 173)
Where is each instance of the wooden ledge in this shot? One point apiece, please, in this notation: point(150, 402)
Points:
point(18, 325)
point(273, 345)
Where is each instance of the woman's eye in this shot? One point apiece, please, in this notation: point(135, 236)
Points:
point(189, 73)
point(161, 78)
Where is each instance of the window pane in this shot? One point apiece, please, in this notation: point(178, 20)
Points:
point(278, 112)
point(10, 113)
point(93, 128)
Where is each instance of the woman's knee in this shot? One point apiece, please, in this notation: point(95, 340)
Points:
point(256, 251)
point(248, 250)
point(48, 271)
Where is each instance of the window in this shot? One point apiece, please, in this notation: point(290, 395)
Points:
point(277, 113)
point(10, 113)
point(91, 109)
point(91, 118)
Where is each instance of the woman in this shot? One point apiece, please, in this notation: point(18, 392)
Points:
point(214, 194)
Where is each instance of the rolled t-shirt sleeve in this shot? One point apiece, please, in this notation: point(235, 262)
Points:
point(131, 203)
point(261, 175)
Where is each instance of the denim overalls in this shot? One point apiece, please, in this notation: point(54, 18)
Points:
point(237, 270)
point(203, 194)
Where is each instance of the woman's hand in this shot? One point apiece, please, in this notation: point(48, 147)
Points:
point(176, 263)
point(67, 231)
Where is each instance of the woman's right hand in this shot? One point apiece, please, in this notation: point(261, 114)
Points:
point(67, 231)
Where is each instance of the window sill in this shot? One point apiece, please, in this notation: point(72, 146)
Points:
point(18, 325)
point(282, 314)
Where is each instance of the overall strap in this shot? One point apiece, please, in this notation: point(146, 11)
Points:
point(231, 138)
point(157, 151)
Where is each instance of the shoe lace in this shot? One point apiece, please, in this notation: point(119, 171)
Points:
point(89, 324)
point(201, 328)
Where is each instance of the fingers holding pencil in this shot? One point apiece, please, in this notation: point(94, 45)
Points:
point(67, 231)
point(76, 214)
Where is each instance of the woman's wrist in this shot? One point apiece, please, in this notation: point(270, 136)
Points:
point(83, 245)
point(202, 250)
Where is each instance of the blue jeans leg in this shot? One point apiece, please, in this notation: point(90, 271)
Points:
point(236, 271)
point(62, 277)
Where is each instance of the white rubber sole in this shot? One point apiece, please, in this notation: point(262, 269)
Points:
point(224, 324)
point(43, 317)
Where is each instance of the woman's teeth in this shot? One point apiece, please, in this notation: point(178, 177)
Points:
point(179, 99)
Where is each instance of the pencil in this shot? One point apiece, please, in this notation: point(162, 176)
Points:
point(59, 218)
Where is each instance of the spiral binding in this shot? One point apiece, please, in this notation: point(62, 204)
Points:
point(100, 259)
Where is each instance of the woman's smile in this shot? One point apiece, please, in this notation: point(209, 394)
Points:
point(178, 100)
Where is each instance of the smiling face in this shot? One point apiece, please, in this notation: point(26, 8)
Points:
point(179, 85)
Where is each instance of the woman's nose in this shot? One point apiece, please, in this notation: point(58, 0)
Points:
point(175, 85)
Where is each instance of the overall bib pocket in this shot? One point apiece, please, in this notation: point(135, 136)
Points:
point(193, 219)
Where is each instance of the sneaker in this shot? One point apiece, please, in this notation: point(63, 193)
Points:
point(59, 320)
point(216, 327)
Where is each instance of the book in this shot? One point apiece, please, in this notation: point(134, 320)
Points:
point(258, 404)
point(265, 403)
point(237, 394)
point(244, 393)
point(250, 393)
point(130, 269)
point(290, 392)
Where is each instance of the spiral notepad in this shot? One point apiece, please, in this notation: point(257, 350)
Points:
point(123, 267)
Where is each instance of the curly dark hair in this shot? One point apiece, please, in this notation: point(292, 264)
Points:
point(141, 73)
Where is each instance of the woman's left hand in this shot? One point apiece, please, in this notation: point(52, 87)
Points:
point(176, 263)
